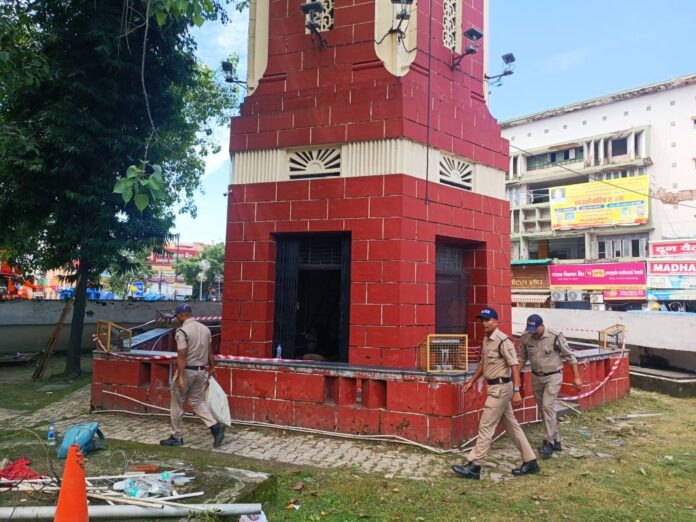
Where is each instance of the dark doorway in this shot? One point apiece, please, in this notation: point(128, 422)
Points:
point(312, 298)
point(451, 290)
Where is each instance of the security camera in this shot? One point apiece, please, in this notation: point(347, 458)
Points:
point(312, 7)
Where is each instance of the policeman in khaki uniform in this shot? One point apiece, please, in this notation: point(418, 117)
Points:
point(194, 353)
point(499, 366)
point(546, 351)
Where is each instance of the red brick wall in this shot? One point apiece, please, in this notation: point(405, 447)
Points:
point(393, 234)
point(343, 93)
point(421, 407)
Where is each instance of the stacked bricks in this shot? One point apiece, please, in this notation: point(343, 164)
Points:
point(393, 236)
point(425, 408)
point(342, 93)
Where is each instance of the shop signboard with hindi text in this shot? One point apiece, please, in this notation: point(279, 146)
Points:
point(672, 274)
point(619, 202)
point(673, 248)
point(598, 276)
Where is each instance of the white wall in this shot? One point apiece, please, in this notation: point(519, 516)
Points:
point(669, 335)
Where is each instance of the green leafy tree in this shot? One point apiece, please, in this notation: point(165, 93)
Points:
point(213, 257)
point(114, 85)
point(130, 267)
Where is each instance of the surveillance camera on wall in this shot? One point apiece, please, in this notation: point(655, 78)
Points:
point(312, 7)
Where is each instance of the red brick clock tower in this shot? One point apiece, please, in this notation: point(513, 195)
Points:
point(366, 210)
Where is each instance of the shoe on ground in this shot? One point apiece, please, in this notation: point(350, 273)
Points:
point(546, 449)
point(172, 441)
point(557, 445)
point(526, 468)
point(468, 470)
point(218, 431)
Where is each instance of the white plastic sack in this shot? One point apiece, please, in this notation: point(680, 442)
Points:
point(217, 402)
point(261, 517)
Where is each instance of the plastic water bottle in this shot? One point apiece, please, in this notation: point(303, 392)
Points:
point(51, 437)
point(279, 352)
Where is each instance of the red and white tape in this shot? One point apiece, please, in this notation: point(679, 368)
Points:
point(567, 328)
point(613, 369)
point(173, 355)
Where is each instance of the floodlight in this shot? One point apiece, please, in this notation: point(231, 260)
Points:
point(312, 7)
point(508, 58)
point(470, 34)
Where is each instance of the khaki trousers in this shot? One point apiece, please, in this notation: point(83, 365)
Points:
point(546, 391)
point(195, 386)
point(499, 407)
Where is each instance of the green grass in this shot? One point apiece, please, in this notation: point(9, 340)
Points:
point(634, 482)
point(19, 392)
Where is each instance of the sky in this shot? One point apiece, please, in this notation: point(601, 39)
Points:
point(566, 51)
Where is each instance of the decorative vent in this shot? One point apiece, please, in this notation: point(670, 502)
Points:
point(449, 24)
point(315, 163)
point(325, 19)
point(456, 173)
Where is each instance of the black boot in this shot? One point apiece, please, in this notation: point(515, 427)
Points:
point(557, 445)
point(172, 441)
point(526, 468)
point(468, 470)
point(546, 449)
point(218, 432)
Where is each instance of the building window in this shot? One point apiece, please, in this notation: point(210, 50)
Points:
point(621, 173)
point(631, 245)
point(619, 147)
point(556, 158)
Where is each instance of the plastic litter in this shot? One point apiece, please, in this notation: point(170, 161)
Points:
point(216, 399)
point(19, 470)
point(51, 436)
point(144, 486)
point(261, 517)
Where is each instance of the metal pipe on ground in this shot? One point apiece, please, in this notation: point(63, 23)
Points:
point(125, 512)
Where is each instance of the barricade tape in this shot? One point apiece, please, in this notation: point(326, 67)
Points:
point(568, 328)
point(173, 355)
point(606, 379)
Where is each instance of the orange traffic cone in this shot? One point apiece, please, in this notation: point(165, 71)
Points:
point(72, 500)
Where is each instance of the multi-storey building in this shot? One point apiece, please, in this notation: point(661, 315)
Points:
point(600, 179)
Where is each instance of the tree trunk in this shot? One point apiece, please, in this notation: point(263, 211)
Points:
point(72, 361)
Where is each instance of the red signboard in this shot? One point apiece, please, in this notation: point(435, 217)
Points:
point(672, 248)
point(673, 267)
point(599, 276)
point(612, 295)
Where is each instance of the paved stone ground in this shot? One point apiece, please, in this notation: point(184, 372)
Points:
point(270, 444)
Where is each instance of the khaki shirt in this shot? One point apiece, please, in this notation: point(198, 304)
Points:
point(542, 355)
point(195, 337)
point(494, 365)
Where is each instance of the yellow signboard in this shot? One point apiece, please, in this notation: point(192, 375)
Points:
point(621, 201)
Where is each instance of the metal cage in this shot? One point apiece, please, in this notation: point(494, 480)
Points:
point(112, 337)
point(612, 338)
point(444, 353)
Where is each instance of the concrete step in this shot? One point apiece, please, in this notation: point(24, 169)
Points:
point(671, 382)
